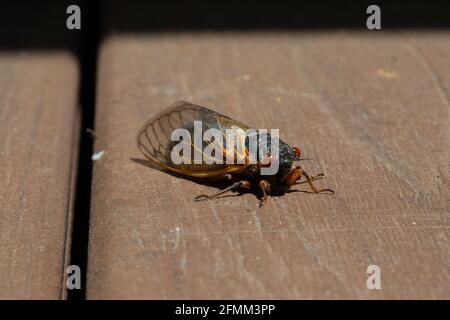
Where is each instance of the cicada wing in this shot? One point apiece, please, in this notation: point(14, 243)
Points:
point(154, 138)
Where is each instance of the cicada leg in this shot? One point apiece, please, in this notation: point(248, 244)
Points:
point(264, 185)
point(313, 178)
point(240, 184)
point(296, 175)
point(309, 180)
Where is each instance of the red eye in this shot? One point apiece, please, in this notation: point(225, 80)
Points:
point(297, 151)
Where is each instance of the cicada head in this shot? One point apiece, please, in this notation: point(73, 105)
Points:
point(282, 153)
point(287, 156)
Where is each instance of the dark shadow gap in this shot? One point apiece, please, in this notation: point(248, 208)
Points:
point(37, 25)
point(88, 78)
point(140, 16)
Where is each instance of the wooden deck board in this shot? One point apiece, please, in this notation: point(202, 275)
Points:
point(38, 132)
point(371, 110)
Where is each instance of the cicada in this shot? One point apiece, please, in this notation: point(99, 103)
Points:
point(155, 140)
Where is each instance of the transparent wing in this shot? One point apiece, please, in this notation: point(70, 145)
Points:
point(154, 138)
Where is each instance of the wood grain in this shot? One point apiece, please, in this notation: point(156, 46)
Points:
point(371, 109)
point(38, 147)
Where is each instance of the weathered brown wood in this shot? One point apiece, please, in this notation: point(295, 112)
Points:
point(38, 148)
point(372, 109)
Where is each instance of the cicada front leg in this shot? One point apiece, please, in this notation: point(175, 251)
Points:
point(298, 172)
point(309, 180)
point(313, 178)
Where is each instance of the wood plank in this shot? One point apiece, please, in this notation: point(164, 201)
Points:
point(38, 147)
point(365, 106)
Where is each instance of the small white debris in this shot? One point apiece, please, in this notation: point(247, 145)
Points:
point(96, 156)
